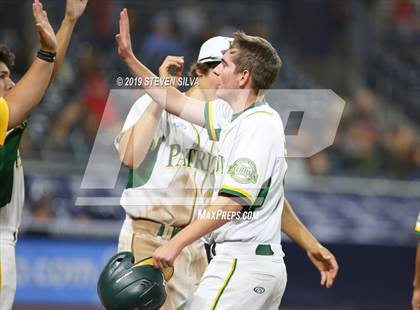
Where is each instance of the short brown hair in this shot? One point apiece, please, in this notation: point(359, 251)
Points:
point(7, 56)
point(203, 67)
point(259, 57)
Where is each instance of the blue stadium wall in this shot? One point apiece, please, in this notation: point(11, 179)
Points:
point(62, 272)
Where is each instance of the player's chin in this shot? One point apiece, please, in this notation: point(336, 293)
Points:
point(222, 94)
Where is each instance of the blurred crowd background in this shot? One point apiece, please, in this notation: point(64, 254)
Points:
point(367, 51)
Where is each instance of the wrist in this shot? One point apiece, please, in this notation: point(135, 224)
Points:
point(47, 55)
point(69, 20)
point(130, 59)
point(157, 108)
point(178, 243)
point(48, 49)
point(313, 247)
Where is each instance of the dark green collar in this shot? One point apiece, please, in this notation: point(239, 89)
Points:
point(254, 105)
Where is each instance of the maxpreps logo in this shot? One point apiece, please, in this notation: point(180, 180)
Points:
point(243, 171)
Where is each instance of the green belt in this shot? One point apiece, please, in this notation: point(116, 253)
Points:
point(174, 231)
point(264, 249)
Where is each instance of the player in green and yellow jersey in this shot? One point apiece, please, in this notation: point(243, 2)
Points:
point(16, 102)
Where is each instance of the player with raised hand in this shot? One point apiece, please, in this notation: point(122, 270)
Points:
point(160, 203)
point(231, 198)
point(145, 123)
point(16, 102)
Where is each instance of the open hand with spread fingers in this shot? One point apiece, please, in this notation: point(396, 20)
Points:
point(43, 27)
point(123, 38)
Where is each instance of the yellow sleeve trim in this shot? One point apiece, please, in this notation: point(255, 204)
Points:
point(237, 192)
point(209, 118)
point(4, 119)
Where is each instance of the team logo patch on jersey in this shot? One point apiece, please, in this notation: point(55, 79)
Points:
point(259, 290)
point(243, 171)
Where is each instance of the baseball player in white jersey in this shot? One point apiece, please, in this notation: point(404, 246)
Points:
point(174, 179)
point(147, 211)
point(16, 102)
point(232, 197)
point(248, 269)
point(248, 253)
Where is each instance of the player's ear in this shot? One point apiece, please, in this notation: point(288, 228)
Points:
point(245, 79)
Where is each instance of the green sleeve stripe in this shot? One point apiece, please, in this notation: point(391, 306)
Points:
point(218, 134)
point(230, 192)
point(262, 195)
point(209, 119)
point(247, 201)
point(225, 283)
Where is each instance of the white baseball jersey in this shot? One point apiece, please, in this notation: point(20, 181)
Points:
point(177, 176)
point(11, 204)
point(252, 145)
point(418, 225)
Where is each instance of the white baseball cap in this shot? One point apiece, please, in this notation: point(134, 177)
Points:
point(212, 50)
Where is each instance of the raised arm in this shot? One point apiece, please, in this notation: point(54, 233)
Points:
point(27, 93)
point(320, 256)
point(170, 98)
point(135, 141)
point(74, 9)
